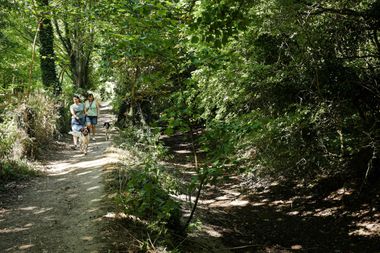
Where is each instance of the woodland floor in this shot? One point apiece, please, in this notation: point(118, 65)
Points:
point(245, 215)
point(69, 209)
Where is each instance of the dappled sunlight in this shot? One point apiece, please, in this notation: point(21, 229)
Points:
point(94, 163)
point(339, 194)
point(85, 173)
point(276, 214)
point(112, 215)
point(228, 200)
point(44, 191)
point(288, 216)
point(207, 201)
point(49, 218)
point(186, 166)
point(326, 212)
point(296, 213)
point(25, 246)
point(65, 168)
point(57, 165)
point(95, 209)
point(234, 203)
point(29, 208)
point(87, 238)
point(72, 196)
point(13, 230)
point(366, 228)
point(124, 216)
point(224, 197)
point(231, 192)
point(93, 188)
point(59, 171)
point(3, 211)
point(259, 204)
point(211, 231)
point(96, 220)
point(296, 247)
point(62, 212)
point(43, 210)
point(78, 155)
point(183, 151)
point(99, 140)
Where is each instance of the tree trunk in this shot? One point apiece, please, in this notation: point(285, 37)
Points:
point(78, 40)
point(47, 55)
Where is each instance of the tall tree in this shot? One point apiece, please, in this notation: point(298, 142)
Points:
point(47, 55)
point(75, 28)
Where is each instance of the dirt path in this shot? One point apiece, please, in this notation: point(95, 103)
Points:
point(62, 212)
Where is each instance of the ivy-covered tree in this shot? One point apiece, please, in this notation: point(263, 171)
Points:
point(47, 55)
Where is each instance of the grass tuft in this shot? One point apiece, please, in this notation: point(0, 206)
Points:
point(16, 170)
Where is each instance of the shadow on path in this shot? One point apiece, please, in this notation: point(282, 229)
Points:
point(62, 212)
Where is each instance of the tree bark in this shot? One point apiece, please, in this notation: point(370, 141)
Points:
point(78, 43)
point(47, 54)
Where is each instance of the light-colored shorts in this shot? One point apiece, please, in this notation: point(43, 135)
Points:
point(77, 124)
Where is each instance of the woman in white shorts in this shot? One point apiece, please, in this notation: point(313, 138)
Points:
point(77, 118)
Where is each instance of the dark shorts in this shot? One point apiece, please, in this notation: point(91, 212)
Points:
point(92, 120)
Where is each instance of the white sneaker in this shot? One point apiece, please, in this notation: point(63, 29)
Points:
point(93, 138)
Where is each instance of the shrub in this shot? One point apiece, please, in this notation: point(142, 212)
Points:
point(145, 188)
point(145, 196)
point(28, 126)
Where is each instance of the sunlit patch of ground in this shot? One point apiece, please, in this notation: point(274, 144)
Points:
point(366, 228)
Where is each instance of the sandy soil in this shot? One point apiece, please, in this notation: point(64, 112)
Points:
point(63, 211)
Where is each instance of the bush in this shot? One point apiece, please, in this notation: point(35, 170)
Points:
point(145, 196)
point(28, 126)
point(145, 188)
point(304, 143)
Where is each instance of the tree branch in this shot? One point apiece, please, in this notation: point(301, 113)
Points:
point(34, 52)
point(376, 39)
point(344, 12)
point(63, 40)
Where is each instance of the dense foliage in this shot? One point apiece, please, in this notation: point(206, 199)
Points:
point(283, 88)
point(287, 89)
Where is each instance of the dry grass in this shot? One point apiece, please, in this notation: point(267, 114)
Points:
point(29, 126)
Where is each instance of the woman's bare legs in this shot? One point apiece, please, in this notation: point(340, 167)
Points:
point(75, 140)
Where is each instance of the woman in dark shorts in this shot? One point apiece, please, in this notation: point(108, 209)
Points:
point(91, 107)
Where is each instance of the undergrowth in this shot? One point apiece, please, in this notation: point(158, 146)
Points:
point(28, 126)
point(16, 170)
point(144, 188)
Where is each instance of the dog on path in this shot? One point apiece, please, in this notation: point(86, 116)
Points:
point(84, 139)
point(107, 127)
